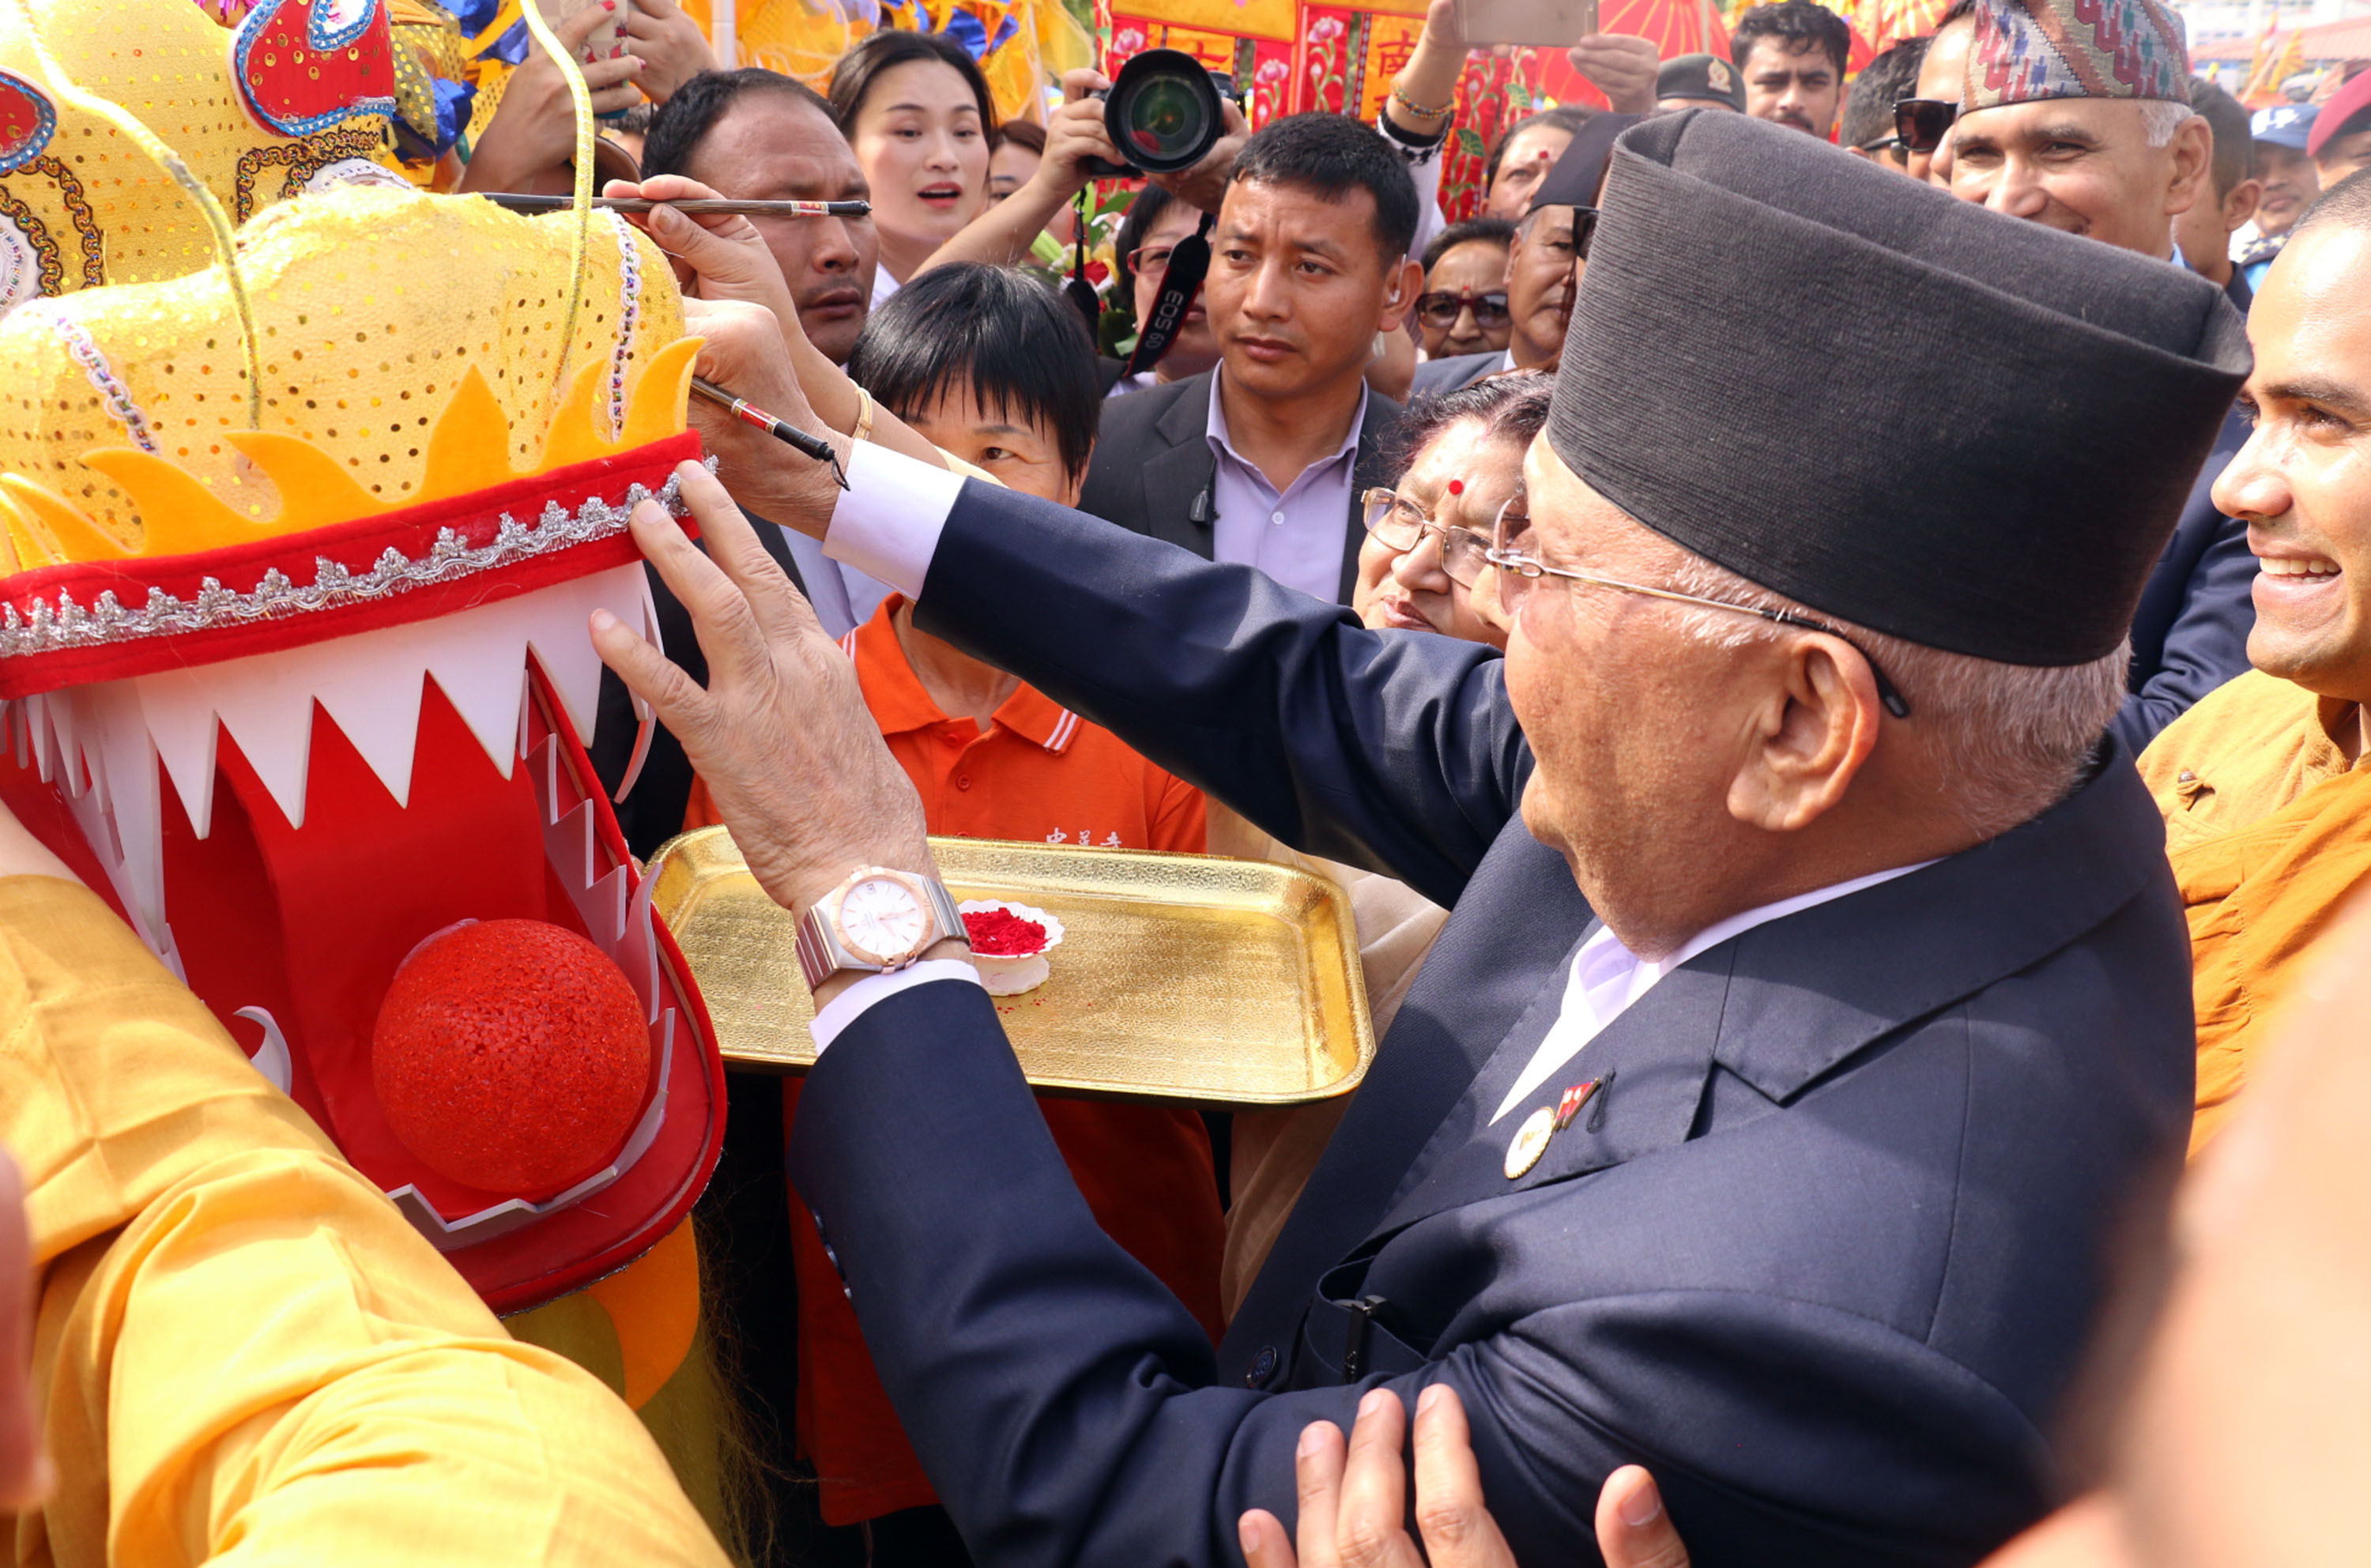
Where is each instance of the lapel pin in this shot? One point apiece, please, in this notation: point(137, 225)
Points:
point(1575, 1097)
point(1531, 1142)
point(1532, 1137)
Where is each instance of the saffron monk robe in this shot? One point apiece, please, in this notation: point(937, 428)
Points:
point(997, 371)
point(2267, 803)
point(1765, 1109)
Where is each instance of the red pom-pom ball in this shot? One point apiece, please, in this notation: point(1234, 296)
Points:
point(512, 1056)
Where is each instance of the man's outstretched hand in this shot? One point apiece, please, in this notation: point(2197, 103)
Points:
point(1354, 1505)
point(781, 734)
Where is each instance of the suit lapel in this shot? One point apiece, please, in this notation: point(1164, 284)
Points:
point(1649, 1067)
point(1519, 917)
point(1179, 473)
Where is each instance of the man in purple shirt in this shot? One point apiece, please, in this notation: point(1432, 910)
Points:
point(1261, 460)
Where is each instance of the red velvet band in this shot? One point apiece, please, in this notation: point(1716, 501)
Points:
point(357, 545)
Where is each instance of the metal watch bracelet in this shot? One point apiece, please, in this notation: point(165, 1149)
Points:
point(821, 956)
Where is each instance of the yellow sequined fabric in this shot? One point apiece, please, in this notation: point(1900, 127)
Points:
point(380, 311)
point(93, 209)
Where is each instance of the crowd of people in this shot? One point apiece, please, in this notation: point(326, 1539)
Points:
point(1831, 669)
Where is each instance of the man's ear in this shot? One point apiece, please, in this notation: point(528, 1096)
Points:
point(1863, 154)
point(1400, 289)
point(1816, 729)
point(2240, 206)
point(2193, 160)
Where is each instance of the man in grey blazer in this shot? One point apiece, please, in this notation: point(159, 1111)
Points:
point(1263, 460)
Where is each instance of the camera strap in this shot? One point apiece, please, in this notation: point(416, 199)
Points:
point(1080, 291)
point(1187, 264)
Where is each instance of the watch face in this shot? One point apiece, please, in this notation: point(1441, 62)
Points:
point(881, 920)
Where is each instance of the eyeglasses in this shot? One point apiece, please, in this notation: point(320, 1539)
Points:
point(1510, 551)
point(1441, 307)
point(1150, 260)
point(1922, 123)
point(1402, 525)
point(1880, 145)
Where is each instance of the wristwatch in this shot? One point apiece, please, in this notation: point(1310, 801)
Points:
point(875, 922)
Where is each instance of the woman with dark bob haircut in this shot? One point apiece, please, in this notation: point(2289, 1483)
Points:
point(916, 110)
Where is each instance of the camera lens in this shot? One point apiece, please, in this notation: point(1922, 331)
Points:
point(1162, 112)
point(1165, 121)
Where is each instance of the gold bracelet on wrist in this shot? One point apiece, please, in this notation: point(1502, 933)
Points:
point(863, 431)
point(1418, 110)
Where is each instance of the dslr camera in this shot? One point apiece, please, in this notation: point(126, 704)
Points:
point(1162, 112)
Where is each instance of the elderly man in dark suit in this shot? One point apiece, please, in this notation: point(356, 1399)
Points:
point(1815, 993)
point(1262, 459)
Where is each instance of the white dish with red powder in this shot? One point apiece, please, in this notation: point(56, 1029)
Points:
point(1009, 953)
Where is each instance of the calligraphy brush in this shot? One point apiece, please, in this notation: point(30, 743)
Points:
point(791, 435)
point(520, 201)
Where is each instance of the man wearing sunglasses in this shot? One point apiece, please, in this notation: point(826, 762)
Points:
point(1922, 120)
point(1868, 130)
point(1544, 263)
point(1815, 995)
point(2076, 137)
point(1463, 307)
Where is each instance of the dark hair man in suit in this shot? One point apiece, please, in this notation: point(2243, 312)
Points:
point(1792, 55)
point(1262, 459)
point(1815, 993)
point(2057, 143)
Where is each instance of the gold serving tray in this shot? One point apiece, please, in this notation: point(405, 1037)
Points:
point(1180, 977)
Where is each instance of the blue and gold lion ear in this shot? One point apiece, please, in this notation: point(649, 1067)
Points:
point(27, 121)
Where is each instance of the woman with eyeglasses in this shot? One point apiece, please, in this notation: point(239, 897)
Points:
point(1427, 535)
point(1463, 307)
point(1462, 459)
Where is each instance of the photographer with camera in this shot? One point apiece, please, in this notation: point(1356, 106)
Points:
point(1076, 138)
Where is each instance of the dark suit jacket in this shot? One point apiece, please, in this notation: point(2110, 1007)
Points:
point(1436, 377)
point(2189, 634)
point(654, 812)
point(1823, 1254)
point(1154, 462)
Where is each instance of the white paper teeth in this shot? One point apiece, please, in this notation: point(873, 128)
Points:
point(272, 1058)
point(90, 740)
point(370, 685)
point(104, 742)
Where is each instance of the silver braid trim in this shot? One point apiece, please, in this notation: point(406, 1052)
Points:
point(49, 628)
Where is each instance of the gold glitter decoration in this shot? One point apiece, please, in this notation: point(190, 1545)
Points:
point(372, 305)
point(50, 271)
point(300, 161)
point(1187, 978)
point(169, 65)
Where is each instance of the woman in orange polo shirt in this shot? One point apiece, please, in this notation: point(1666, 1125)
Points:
point(997, 370)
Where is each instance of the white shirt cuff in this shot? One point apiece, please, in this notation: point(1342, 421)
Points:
point(846, 1008)
point(888, 522)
